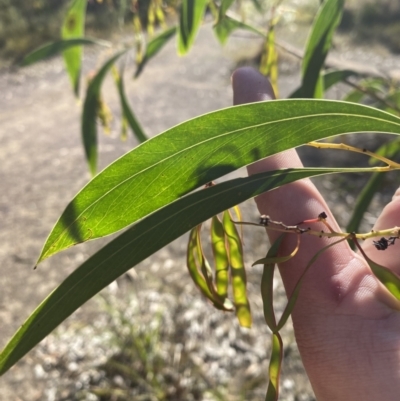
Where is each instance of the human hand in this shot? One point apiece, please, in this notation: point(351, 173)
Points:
point(348, 336)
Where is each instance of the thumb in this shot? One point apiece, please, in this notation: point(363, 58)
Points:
point(293, 203)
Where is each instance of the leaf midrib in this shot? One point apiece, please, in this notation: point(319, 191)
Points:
point(199, 144)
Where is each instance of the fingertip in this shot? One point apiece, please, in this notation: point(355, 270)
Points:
point(250, 86)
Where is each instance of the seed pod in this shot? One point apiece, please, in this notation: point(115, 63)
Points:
point(238, 272)
point(194, 261)
point(201, 273)
point(220, 257)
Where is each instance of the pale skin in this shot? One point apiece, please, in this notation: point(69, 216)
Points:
point(346, 331)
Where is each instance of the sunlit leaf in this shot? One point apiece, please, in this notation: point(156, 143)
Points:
point(136, 244)
point(318, 45)
point(53, 48)
point(73, 27)
point(196, 152)
point(269, 60)
point(90, 112)
point(274, 369)
point(227, 25)
point(191, 15)
point(154, 46)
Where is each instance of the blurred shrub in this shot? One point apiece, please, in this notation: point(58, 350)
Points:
point(374, 21)
point(25, 25)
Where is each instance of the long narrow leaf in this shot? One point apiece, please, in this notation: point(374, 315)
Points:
point(135, 245)
point(274, 369)
point(191, 15)
point(332, 78)
point(269, 60)
point(73, 27)
point(196, 152)
point(154, 46)
point(267, 283)
point(278, 259)
point(128, 112)
point(53, 48)
point(318, 44)
point(90, 112)
point(227, 25)
point(223, 8)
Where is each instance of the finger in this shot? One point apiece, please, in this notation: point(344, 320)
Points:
point(293, 203)
point(389, 218)
point(340, 298)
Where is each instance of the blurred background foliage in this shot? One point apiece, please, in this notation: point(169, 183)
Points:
point(25, 25)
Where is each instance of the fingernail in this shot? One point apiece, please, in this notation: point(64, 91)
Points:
point(250, 86)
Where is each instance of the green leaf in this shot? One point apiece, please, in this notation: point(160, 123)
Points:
point(354, 96)
point(267, 282)
point(196, 265)
point(318, 44)
point(269, 60)
point(135, 245)
point(198, 151)
point(53, 48)
point(127, 111)
point(332, 78)
point(389, 150)
point(274, 369)
point(223, 8)
point(227, 25)
point(90, 112)
point(394, 100)
point(73, 27)
point(154, 46)
point(191, 15)
point(272, 260)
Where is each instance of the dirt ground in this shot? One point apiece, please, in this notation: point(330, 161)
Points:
point(42, 168)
